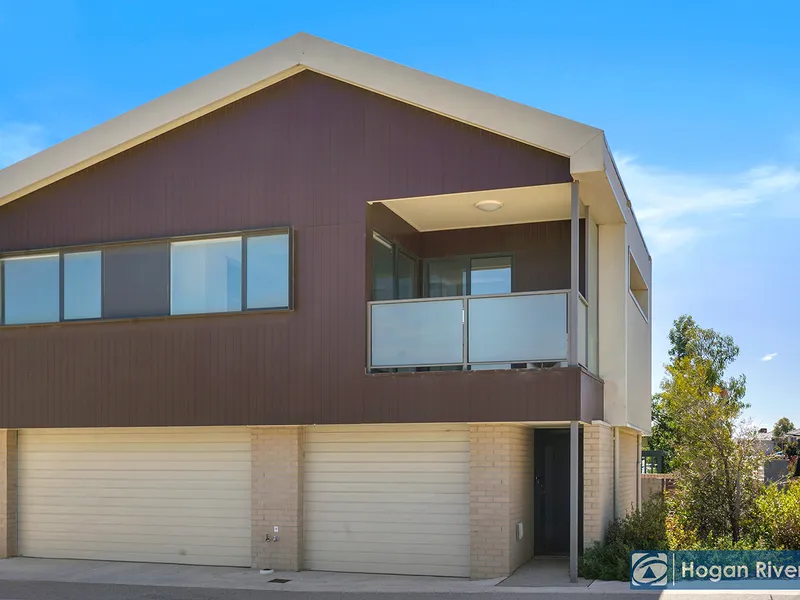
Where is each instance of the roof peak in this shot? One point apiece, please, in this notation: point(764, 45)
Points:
point(284, 59)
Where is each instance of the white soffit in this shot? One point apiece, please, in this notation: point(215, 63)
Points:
point(457, 211)
point(284, 59)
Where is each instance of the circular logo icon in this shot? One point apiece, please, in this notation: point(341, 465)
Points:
point(649, 569)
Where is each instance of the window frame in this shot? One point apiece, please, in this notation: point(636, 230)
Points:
point(244, 234)
point(201, 243)
point(32, 255)
point(396, 249)
point(261, 233)
point(466, 259)
point(61, 265)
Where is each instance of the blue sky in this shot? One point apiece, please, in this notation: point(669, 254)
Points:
point(699, 100)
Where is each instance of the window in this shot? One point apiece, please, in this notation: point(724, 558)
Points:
point(31, 289)
point(83, 285)
point(136, 280)
point(206, 276)
point(382, 268)
point(466, 276)
point(268, 271)
point(490, 276)
point(406, 276)
point(149, 279)
point(638, 287)
point(394, 271)
point(447, 278)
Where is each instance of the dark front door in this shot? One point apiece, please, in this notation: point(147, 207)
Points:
point(551, 491)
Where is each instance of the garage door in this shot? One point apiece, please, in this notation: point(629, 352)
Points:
point(387, 499)
point(155, 495)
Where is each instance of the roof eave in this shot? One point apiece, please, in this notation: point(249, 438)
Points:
point(584, 145)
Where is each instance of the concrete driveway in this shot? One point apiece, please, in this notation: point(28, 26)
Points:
point(46, 579)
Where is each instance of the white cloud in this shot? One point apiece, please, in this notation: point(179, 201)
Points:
point(18, 141)
point(671, 205)
point(769, 357)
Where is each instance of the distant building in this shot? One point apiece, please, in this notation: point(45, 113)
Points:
point(766, 441)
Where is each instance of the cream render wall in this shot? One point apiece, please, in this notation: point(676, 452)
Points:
point(639, 368)
point(639, 335)
point(612, 294)
point(625, 334)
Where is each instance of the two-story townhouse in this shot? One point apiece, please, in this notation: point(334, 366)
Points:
point(318, 310)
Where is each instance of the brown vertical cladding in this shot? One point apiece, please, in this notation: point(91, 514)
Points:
point(308, 152)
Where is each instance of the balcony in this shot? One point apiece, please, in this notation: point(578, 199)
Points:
point(501, 331)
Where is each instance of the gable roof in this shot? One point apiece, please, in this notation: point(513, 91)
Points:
point(584, 145)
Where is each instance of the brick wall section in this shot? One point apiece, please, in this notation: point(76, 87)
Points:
point(8, 493)
point(598, 481)
point(277, 497)
point(629, 471)
point(501, 494)
point(521, 501)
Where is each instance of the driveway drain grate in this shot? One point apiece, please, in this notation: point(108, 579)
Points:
point(279, 580)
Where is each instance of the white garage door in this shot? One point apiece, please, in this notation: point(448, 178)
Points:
point(387, 499)
point(155, 495)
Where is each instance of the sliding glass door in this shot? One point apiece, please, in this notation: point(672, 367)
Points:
point(394, 271)
point(468, 276)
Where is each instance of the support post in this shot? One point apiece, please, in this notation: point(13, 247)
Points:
point(574, 275)
point(574, 489)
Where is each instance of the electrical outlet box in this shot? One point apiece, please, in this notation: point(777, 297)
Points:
point(275, 529)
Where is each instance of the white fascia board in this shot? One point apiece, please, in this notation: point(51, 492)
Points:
point(469, 105)
point(288, 57)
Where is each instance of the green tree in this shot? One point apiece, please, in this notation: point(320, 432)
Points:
point(716, 458)
point(782, 426)
point(697, 419)
point(690, 342)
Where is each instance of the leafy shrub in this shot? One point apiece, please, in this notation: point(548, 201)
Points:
point(778, 515)
point(643, 529)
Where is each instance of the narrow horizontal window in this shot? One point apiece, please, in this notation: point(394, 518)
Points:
point(83, 285)
point(31, 289)
point(268, 271)
point(231, 272)
point(206, 276)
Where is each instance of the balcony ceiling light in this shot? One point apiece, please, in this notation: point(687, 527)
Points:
point(489, 205)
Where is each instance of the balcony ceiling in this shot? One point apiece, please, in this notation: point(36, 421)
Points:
point(457, 211)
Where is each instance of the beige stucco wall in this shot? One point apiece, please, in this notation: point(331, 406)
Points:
point(612, 295)
point(625, 335)
point(501, 495)
point(8, 493)
point(639, 367)
point(598, 481)
point(277, 497)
